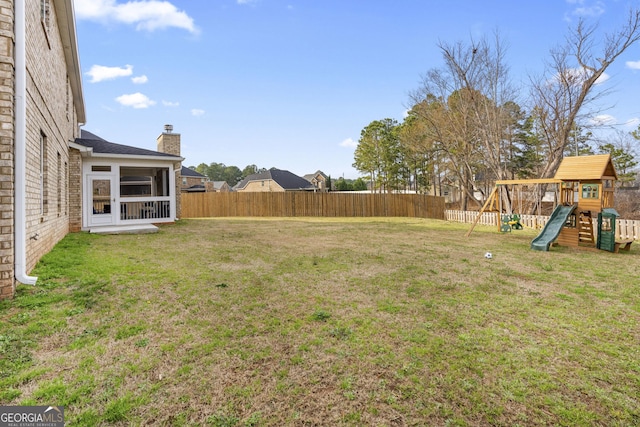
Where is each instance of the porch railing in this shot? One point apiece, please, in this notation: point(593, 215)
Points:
point(147, 209)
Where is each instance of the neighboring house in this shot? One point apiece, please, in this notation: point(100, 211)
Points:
point(221, 186)
point(273, 180)
point(42, 106)
point(195, 182)
point(449, 190)
point(122, 186)
point(192, 181)
point(319, 180)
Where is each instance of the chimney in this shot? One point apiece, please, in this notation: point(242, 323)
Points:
point(169, 142)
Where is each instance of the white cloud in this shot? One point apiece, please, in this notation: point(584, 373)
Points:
point(99, 73)
point(135, 100)
point(634, 65)
point(197, 112)
point(577, 75)
point(146, 15)
point(588, 8)
point(603, 120)
point(584, 8)
point(92, 9)
point(170, 104)
point(591, 11)
point(139, 80)
point(603, 78)
point(246, 1)
point(349, 143)
point(632, 123)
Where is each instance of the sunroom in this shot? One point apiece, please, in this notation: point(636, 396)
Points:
point(124, 186)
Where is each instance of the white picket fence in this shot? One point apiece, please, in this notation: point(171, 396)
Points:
point(625, 229)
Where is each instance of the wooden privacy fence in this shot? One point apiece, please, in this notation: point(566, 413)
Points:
point(625, 228)
point(291, 204)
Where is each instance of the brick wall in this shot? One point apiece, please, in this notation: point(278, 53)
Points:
point(262, 186)
point(51, 117)
point(169, 143)
point(50, 114)
point(190, 182)
point(7, 286)
point(75, 191)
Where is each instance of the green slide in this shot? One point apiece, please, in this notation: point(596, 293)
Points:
point(552, 229)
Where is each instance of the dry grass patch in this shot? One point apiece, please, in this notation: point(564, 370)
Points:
point(239, 322)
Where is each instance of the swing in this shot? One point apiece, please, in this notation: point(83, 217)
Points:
point(514, 219)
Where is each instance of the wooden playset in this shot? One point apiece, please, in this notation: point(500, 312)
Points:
point(584, 190)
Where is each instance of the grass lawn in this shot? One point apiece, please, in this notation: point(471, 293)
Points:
point(325, 322)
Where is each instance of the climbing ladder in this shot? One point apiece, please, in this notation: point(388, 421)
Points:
point(585, 229)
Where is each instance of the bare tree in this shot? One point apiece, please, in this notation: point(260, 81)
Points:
point(482, 71)
point(472, 124)
point(448, 129)
point(569, 84)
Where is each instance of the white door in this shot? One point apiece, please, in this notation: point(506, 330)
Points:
point(102, 201)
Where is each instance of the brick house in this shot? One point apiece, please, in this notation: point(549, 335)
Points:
point(221, 187)
point(55, 179)
point(319, 180)
point(273, 180)
point(192, 181)
point(42, 106)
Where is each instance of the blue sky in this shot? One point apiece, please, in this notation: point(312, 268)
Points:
point(291, 83)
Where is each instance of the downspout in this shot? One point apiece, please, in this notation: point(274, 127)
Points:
point(176, 183)
point(20, 147)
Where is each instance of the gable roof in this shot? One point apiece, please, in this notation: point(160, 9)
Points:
point(283, 178)
point(311, 176)
point(93, 145)
point(586, 168)
point(185, 171)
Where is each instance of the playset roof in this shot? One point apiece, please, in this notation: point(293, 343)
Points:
point(584, 168)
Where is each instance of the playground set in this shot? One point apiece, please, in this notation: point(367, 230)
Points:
point(584, 190)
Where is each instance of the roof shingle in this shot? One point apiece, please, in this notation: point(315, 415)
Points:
point(103, 146)
point(185, 171)
point(283, 178)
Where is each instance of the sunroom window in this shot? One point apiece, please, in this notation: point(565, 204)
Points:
point(144, 182)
